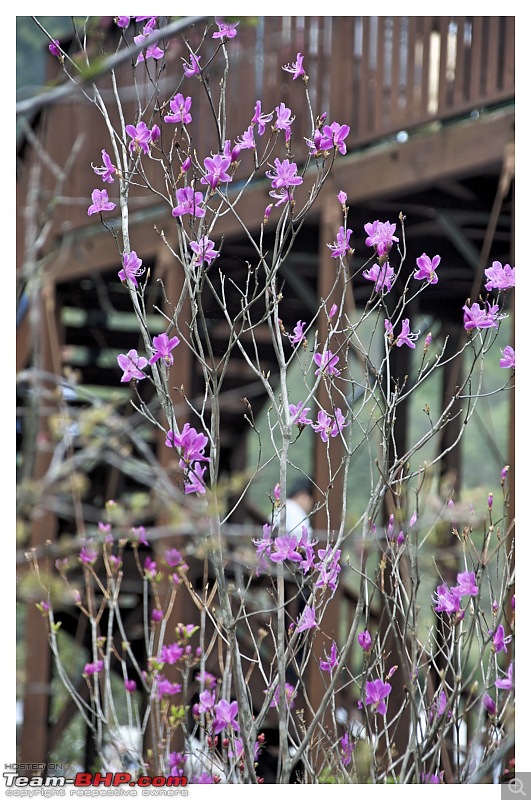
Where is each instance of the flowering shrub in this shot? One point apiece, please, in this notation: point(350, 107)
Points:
point(439, 678)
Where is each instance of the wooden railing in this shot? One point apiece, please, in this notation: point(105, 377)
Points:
point(379, 75)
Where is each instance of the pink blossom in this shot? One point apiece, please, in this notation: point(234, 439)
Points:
point(107, 170)
point(507, 359)
point(382, 275)
point(296, 68)
point(180, 107)
point(132, 268)
point(327, 363)
point(193, 67)
point(477, 317)
point(100, 202)
point(132, 365)
point(501, 278)
point(227, 30)
point(298, 333)
point(307, 620)
point(380, 235)
point(163, 346)
point(426, 268)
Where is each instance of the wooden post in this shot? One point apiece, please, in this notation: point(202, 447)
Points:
point(329, 474)
point(38, 657)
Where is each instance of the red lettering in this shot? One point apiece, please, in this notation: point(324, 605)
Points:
point(143, 780)
point(83, 779)
point(121, 777)
point(102, 780)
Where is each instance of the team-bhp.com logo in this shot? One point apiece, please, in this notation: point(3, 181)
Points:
point(14, 781)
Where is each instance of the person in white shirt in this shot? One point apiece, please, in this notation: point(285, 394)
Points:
point(299, 504)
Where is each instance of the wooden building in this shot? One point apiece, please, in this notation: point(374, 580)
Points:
point(430, 105)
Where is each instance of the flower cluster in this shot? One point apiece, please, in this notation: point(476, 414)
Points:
point(190, 445)
point(448, 599)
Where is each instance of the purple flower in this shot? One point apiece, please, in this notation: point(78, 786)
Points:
point(476, 317)
point(207, 701)
point(227, 30)
point(291, 694)
point(346, 749)
point(405, 337)
point(216, 170)
point(334, 135)
point(131, 268)
point(283, 122)
point(447, 600)
point(173, 558)
point(507, 359)
point(204, 251)
point(193, 67)
point(100, 202)
point(163, 347)
point(150, 568)
point(375, 694)
point(132, 365)
point(341, 246)
point(180, 107)
point(326, 363)
point(152, 50)
point(323, 425)
point(140, 137)
point(426, 268)
point(506, 683)
point(157, 615)
point(122, 22)
point(140, 535)
point(55, 48)
point(382, 275)
point(171, 653)
point(342, 197)
point(130, 686)
point(260, 119)
point(365, 640)
point(190, 442)
point(430, 777)
point(499, 640)
point(380, 235)
point(226, 714)
point(166, 687)
point(107, 170)
point(194, 479)
point(489, 705)
point(330, 662)
point(296, 68)
point(329, 569)
point(466, 584)
point(91, 669)
point(285, 548)
point(298, 414)
point(188, 202)
point(298, 333)
point(206, 679)
point(285, 174)
point(88, 554)
point(246, 140)
point(307, 620)
point(263, 547)
point(499, 277)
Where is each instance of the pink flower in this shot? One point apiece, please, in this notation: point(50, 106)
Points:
point(227, 30)
point(307, 620)
point(329, 662)
point(334, 135)
point(180, 107)
point(163, 347)
point(365, 640)
point(100, 202)
point(426, 268)
point(341, 246)
point(107, 170)
point(507, 359)
point(380, 235)
point(285, 174)
point(260, 119)
point(296, 68)
point(476, 317)
point(226, 714)
point(283, 122)
point(298, 333)
point(382, 275)
point(501, 278)
point(55, 48)
point(132, 365)
point(188, 202)
point(131, 268)
point(375, 694)
point(193, 67)
point(204, 251)
point(298, 414)
point(326, 363)
point(216, 170)
point(140, 137)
